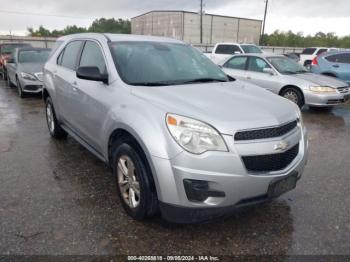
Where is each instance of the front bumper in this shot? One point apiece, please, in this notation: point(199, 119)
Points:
point(323, 100)
point(226, 173)
point(29, 86)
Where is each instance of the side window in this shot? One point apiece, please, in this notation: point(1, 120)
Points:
point(257, 64)
point(70, 54)
point(321, 51)
point(238, 62)
point(92, 56)
point(227, 49)
point(339, 58)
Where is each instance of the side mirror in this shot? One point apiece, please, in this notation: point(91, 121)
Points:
point(92, 73)
point(269, 71)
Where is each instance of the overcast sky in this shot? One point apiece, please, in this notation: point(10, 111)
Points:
point(308, 16)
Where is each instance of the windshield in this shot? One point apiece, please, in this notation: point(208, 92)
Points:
point(286, 65)
point(251, 49)
point(7, 49)
point(154, 63)
point(33, 56)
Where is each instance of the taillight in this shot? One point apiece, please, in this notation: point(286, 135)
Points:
point(314, 61)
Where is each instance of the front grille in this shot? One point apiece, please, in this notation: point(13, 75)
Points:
point(266, 133)
point(268, 163)
point(343, 90)
point(32, 88)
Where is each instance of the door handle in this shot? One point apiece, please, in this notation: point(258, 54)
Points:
point(336, 66)
point(74, 83)
point(249, 78)
point(75, 89)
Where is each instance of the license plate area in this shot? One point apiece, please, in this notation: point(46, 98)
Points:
point(282, 186)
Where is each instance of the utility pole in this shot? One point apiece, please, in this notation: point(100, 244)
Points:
point(201, 22)
point(263, 31)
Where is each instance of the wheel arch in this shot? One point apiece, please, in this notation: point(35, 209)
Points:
point(125, 132)
point(295, 87)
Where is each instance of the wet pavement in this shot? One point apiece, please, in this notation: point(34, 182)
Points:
point(56, 198)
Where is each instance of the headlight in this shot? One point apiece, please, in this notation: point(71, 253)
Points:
point(28, 76)
point(194, 136)
point(322, 89)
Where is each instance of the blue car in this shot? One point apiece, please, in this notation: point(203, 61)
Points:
point(335, 64)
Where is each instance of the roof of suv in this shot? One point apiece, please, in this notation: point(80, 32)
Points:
point(119, 37)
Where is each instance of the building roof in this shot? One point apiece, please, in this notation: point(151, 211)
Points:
point(190, 12)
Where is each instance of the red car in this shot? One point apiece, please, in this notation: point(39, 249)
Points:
point(5, 54)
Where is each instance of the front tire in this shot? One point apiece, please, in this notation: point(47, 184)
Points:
point(133, 176)
point(20, 91)
point(293, 95)
point(54, 127)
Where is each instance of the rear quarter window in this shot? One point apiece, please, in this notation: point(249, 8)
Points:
point(308, 51)
point(227, 49)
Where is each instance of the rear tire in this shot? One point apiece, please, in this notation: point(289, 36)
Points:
point(54, 127)
point(294, 95)
point(133, 178)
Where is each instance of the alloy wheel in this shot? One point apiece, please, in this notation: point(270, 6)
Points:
point(50, 118)
point(128, 182)
point(292, 96)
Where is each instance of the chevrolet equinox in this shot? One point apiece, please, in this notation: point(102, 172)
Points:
point(180, 136)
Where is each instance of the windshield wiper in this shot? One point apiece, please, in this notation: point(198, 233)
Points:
point(290, 72)
point(301, 71)
point(151, 84)
point(203, 80)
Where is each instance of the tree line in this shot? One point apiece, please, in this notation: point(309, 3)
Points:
point(280, 38)
point(102, 25)
point(277, 38)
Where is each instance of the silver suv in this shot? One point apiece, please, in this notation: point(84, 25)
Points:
point(180, 136)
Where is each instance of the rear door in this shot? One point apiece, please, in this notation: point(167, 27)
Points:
point(340, 64)
point(236, 67)
point(256, 75)
point(65, 80)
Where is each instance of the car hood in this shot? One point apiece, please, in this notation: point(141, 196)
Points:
point(321, 80)
point(229, 106)
point(31, 68)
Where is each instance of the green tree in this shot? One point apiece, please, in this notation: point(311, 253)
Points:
point(111, 25)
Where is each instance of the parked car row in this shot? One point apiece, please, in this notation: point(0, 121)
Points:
point(6, 51)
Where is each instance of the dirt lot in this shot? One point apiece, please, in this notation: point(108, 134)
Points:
point(57, 198)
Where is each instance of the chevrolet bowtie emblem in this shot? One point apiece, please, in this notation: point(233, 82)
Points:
point(281, 146)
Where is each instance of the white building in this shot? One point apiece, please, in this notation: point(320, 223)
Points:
point(185, 26)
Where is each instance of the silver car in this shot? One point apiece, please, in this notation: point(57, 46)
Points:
point(24, 69)
point(179, 136)
point(287, 78)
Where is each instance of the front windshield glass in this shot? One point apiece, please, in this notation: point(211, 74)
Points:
point(251, 49)
point(154, 63)
point(286, 65)
point(33, 56)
